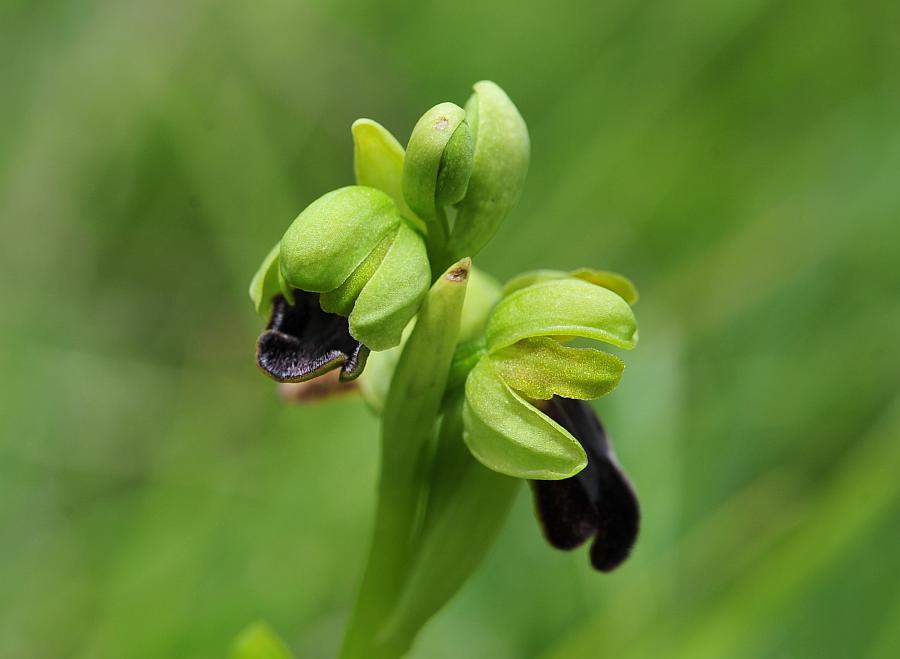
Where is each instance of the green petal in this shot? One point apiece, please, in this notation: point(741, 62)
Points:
point(392, 296)
point(499, 166)
point(510, 436)
point(529, 278)
point(456, 167)
point(342, 298)
point(378, 161)
point(541, 368)
point(264, 285)
point(333, 235)
point(565, 308)
point(618, 284)
point(425, 156)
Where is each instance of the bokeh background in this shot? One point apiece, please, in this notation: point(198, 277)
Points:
point(740, 159)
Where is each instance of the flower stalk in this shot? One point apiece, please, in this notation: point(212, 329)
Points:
point(408, 430)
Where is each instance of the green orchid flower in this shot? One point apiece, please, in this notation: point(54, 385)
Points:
point(527, 358)
point(525, 413)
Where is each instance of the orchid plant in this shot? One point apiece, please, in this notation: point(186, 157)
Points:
point(478, 386)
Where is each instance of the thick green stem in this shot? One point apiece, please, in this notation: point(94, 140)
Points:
point(409, 420)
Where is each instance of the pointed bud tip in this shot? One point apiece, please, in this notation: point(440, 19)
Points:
point(459, 272)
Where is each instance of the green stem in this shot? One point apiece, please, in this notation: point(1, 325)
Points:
point(409, 420)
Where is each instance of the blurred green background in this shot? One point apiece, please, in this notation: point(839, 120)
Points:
point(739, 159)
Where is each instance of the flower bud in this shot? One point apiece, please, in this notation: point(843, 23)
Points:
point(499, 164)
point(360, 272)
point(438, 161)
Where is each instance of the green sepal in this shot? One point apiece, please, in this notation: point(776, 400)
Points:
point(265, 285)
point(562, 308)
point(425, 161)
point(500, 163)
point(393, 293)
point(378, 163)
point(530, 278)
point(333, 235)
point(615, 282)
point(342, 298)
point(259, 641)
point(507, 434)
point(541, 368)
point(456, 167)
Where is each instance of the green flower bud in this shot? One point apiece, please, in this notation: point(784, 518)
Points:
point(347, 277)
point(499, 165)
point(352, 246)
point(438, 162)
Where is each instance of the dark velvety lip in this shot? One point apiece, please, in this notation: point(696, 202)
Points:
point(598, 502)
point(302, 342)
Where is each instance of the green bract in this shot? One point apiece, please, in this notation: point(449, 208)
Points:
point(525, 359)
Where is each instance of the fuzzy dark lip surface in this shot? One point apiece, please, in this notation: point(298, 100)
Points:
point(598, 502)
point(302, 342)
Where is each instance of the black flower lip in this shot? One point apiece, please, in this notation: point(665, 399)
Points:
point(597, 502)
point(302, 342)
